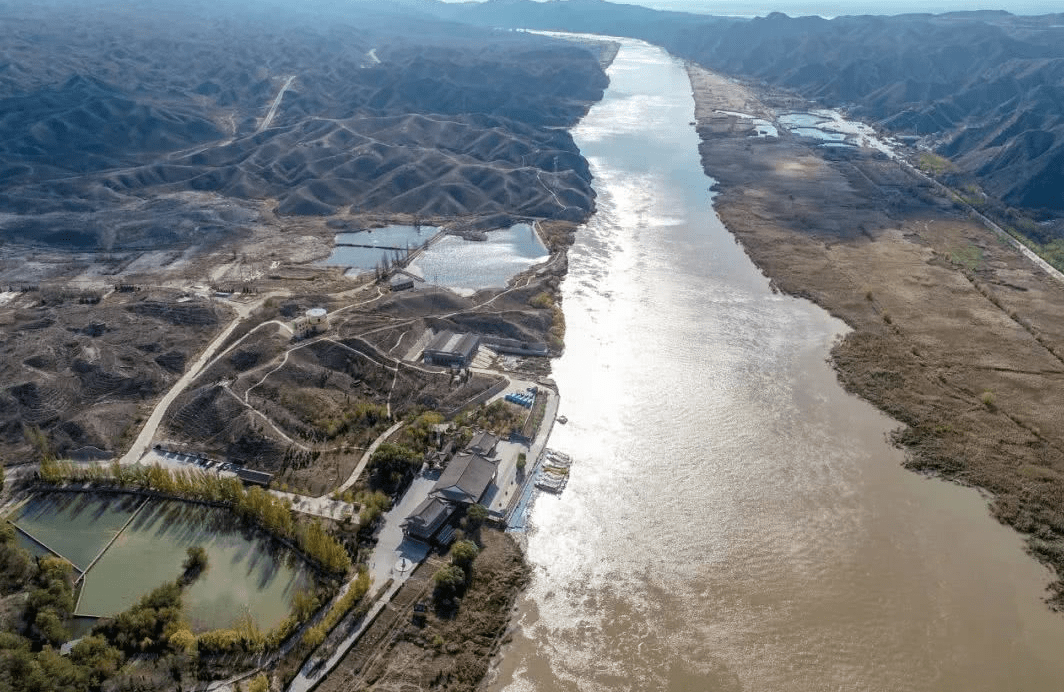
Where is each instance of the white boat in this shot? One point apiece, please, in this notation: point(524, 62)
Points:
point(550, 482)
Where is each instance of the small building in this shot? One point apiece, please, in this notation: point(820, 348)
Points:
point(428, 518)
point(439, 457)
point(254, 477)
point(465, 480)
point(450, 349)
point(483, 443)
point(317, 319)
point(400, 282)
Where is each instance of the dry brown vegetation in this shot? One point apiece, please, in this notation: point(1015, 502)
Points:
point(943, 311)
point(284, 405)
point(443, 652)
point(83, 373)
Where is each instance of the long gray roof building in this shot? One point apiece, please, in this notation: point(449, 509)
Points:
point(427, 518)
point(449, 348)
point(465, 479)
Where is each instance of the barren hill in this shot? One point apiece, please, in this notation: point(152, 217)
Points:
point(104, 111)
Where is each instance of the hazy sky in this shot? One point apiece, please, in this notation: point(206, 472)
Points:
point(832, 8)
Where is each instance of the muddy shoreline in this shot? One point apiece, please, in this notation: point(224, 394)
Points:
point(954, 334)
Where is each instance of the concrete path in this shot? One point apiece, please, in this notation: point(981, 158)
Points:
point(366, 457)
point(276, 103)
point(325, 506)
point(315, 670)
point(394, 558)
point(392, 545)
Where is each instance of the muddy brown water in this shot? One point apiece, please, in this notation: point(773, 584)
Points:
point(734, 519)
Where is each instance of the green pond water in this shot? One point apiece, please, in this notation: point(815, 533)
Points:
point(75, 525)
point(248, 572)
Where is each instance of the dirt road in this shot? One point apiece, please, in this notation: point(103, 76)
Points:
point(147, 433)
point(275, 105)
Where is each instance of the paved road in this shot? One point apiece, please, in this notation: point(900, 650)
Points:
point(274, 106)
point(511, 483)
point(147, 433)
point(1024, 250)
point(365, 457)
point(392, 547)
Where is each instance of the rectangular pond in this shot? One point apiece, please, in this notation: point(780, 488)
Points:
point(466, 266)
point(75, 525)
point(248, 572)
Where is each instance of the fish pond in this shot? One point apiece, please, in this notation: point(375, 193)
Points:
point(130, 545)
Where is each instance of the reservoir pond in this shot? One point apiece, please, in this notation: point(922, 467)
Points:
point(734, 520)
point(248, 573)
point(365, 250)
point(466, 266)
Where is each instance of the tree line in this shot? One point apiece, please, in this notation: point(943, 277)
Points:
point(253, 505)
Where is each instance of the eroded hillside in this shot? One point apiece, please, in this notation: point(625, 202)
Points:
point(236, 121)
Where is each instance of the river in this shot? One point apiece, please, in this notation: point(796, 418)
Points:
point(734, 519)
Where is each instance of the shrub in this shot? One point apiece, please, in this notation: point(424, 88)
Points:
point(16, 564)
point(219, 642)
point(448, 580)
point(96, 655)
point(314, 637)
point(391, 464)
point(343, 604)
point(477, 514)
point(259, 683)
point(373, 505)
point(183, 641)
point(195, 564)
point(542, 300)
point(463, 553)
point(149, 624)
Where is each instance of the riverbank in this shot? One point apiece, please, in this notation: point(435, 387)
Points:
point(955, 335)
point(434, 649)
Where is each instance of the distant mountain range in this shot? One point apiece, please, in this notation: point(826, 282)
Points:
point(984, 88)
point(110, 108)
